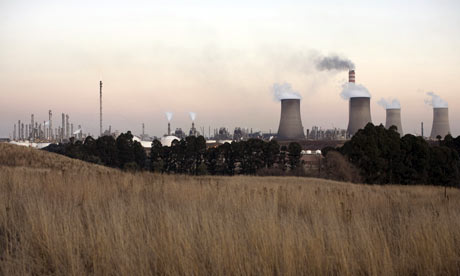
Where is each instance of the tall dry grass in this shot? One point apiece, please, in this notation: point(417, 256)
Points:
point(88, 219)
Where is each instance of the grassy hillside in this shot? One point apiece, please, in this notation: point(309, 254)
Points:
point(65, 217)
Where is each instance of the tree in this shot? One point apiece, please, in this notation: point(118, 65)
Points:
point(124, 144)
point(294, 150)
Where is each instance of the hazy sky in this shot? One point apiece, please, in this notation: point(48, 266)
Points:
point(220, 60)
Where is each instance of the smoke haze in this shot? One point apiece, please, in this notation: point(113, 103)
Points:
point(192, 115)
point(389, 103)
point(352, 90)
point(284, 91)
point(435, 101)
point(334, 63)
point(169, 116)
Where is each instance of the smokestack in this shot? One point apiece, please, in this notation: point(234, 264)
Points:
point(100, 108)
point(32, 124)
point(67, 126)
point(169, 128)
point(290, 127)
point(359, 114)
point(351, 76)
point(422, 131)
point(63, 126)
point(50, 132)
point(14, 133)
point(394, 119)
point(440, 122)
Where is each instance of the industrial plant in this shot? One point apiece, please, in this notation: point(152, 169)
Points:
point(290, 123)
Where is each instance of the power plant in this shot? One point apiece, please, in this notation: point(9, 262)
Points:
point(394, 119)
point(290, 127)
point(440, 122)
point(359, 110)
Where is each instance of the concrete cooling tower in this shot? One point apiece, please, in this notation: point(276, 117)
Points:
point(394, 119)
point(440, 122)
point(290, 122)
point(359, 114)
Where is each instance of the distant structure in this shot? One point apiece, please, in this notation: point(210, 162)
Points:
point(394, 119)
point(290, 127)
point(359, 110)
point(100, 108)
point(50, 125)
point(440, 122)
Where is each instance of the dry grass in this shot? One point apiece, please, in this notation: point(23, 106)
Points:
point(87, 219)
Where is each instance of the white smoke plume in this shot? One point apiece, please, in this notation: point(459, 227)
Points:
point(352, 90)
point(169, 116)
point(390, 103)
point(334, 63)
point(192, 115)
point(77, 131)
point(435, 101)
point(284, 91)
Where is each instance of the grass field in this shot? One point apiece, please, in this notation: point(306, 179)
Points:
point(60, 216)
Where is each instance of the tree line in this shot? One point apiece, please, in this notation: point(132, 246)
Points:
point(374, 155)
point(383, 157)
point(187, 156)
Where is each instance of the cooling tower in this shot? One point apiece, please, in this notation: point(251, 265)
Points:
point(359, 114)
point(290, 122)
point(394, 119)
point(440, 122)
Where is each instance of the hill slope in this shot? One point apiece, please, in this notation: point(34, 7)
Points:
point(63, 216)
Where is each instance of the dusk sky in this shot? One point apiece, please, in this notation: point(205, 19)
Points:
point(220, 59)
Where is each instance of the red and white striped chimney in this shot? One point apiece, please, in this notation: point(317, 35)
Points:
point(351, 76)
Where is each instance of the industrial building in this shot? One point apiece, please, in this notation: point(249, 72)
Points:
point(290, 127)
point(393, 118)
point(440, 122)
point(359, 114)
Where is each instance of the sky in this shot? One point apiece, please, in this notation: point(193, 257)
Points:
point(220, 59)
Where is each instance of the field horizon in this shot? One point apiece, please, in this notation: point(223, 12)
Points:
point(60, 216)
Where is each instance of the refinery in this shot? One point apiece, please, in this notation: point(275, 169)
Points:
point(40, 133)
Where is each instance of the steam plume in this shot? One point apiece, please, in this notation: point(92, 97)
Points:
point(435, 101)
point(390, 104)
point(284, 91)
point(192, 115)
point(77, 131)
point(169, 116)
point(334, 63)
point(352, 90)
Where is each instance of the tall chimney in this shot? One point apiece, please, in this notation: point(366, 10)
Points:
point(50, 126)
point(359, 114)
point(440, 122)
point(169, 128)
point(290, 127)
point(351, 76)
point(14, 133)
point(67, 126)
point(63, 126)
point(32, 124)
point(394, 119)
point(100, 108)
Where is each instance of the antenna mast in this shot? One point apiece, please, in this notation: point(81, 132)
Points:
point(100, 108)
